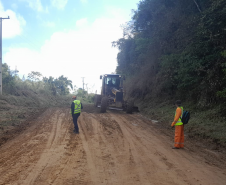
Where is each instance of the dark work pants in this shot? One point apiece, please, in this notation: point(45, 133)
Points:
point(75, 121)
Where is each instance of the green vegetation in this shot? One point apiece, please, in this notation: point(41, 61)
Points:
point(12, 84)
point(175, 49)
point(37, 85)
point(24, 99)
point(83, 96)
point(205, 124)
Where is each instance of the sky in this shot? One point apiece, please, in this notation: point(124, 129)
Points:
point(64, 37)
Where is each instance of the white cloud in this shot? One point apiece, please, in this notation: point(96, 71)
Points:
point(13, 26)
point(85, 51)
point(35, 5)
point(82, 23)
point(60, 4)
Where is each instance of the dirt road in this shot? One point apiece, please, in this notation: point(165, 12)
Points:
point(112, 148)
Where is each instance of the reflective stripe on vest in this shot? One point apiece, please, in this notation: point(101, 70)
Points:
point(77, 108)
point(179, 122)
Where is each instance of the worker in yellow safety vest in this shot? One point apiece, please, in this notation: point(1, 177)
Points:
point(76, 107)
point(179, 127)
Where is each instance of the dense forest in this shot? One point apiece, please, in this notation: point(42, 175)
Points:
point(173, 49)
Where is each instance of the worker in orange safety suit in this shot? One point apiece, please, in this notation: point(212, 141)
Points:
point(179, 127)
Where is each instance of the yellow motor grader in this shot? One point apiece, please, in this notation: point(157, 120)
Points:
point(111, 96)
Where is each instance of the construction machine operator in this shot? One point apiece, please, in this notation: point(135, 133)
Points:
point(76, 107)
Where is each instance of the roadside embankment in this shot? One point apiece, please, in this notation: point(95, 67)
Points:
point(206, 125)
point(16, 111)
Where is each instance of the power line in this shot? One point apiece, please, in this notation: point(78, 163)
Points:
point(1, 53)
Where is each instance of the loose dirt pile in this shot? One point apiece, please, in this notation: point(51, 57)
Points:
point(112, 148)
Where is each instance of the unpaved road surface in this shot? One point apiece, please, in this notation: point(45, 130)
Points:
point(112, 148)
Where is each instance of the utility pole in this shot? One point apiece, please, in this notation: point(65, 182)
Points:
point(1, 53)
point(86, 88)
point(83, 83)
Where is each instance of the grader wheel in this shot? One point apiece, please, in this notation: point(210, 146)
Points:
point(129, 108)
point(95, 101)
point(104, 104)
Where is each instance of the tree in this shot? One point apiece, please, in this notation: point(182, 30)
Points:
point(59, 85)
point(174, 48)
point(34, 76)
point(8, 78)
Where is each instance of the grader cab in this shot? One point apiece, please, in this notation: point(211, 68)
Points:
point(112, 95)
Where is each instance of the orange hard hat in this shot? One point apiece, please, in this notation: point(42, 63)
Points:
point(73, 97)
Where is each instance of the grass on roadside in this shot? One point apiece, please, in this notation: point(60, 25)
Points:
point(204, 123)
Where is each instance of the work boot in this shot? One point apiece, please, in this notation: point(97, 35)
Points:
point(76, 132)
point(175, 148)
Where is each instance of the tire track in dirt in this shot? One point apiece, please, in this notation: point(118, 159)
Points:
point(112, 148)
point(16, 153)
point(145, 167)
point(48, 149)
point(130, 156)
point(101, 147)
point(153, 161)
point(58, 160)
point(171, 164)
